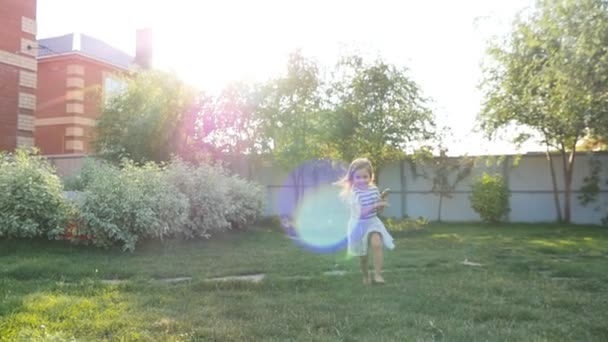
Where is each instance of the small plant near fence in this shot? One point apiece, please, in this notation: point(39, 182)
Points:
point(490, 198)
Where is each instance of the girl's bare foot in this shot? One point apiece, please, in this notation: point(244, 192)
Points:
point(378, 279)
point(367, 280)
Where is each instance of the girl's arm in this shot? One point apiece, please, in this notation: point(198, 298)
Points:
point(362, 211)
point(366, 210)
point(378, 205)
point(383, 196)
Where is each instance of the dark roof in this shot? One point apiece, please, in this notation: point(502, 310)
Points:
point(86, 45)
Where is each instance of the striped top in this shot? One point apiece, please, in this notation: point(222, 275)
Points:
point(361, 199)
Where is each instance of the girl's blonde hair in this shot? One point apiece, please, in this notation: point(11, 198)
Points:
point(346, 182)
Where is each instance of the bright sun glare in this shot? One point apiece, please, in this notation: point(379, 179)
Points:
point(212, 43)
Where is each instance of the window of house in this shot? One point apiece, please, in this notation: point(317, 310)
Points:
point(112, 86)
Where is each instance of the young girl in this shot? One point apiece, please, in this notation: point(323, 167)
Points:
point(364, 226)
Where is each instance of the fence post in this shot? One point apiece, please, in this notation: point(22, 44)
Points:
point(403, 191)
point(506, 168)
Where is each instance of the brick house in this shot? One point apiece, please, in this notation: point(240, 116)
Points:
point(17, 73)
point(75, 72)
point(51, 89)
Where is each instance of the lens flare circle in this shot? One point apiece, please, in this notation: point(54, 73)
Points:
point(320, 221)
point(313, 215)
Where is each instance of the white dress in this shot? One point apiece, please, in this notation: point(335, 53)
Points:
point(360, 228)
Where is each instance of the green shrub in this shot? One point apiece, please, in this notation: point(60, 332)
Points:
point(125, 205)
point(218, 201)
point(130, 204)
point(31, 196)
point(205, 188)
point(406, 224)
point(490, 198)
point(269, 221)
point(79, 181)
point(245, 202)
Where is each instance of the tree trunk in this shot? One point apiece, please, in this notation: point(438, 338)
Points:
point(439, 210)
point(249, 168)
point(296, 187)
point(555, 190)
point(301, 187)
point(568, 172)
point(315, 173)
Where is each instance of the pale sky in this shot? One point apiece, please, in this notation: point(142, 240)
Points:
point(210, 43)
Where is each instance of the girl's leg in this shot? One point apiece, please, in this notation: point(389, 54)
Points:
point(378, 257)
point(364, 270)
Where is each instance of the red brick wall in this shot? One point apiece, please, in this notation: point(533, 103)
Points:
point(15, 122)
point(9, 92)
point(10, 17)
point(59, 129)
point(93, 88)
point(51, 88)
point(50, 139)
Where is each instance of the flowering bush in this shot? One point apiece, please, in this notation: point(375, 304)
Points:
point(129, 204)
point(245, 202)
point(31, 196)
point(125, 205)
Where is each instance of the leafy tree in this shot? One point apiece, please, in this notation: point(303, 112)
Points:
point(231, 121)
point(378, 111)
point(445, 172)
point(290, 113)
point(448, 172)
point(593, 144)
point(229, 126)
point(551, 75)
point(146, 121)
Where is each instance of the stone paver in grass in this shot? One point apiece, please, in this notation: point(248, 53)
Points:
point(563, 278)
point(114, 281)
point(253, 278)
point(297, 277)
point(259, 277)
point(162, 280)
point(175, 280)
point(466, 262)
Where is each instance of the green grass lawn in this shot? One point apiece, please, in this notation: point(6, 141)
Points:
point(537, 283)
